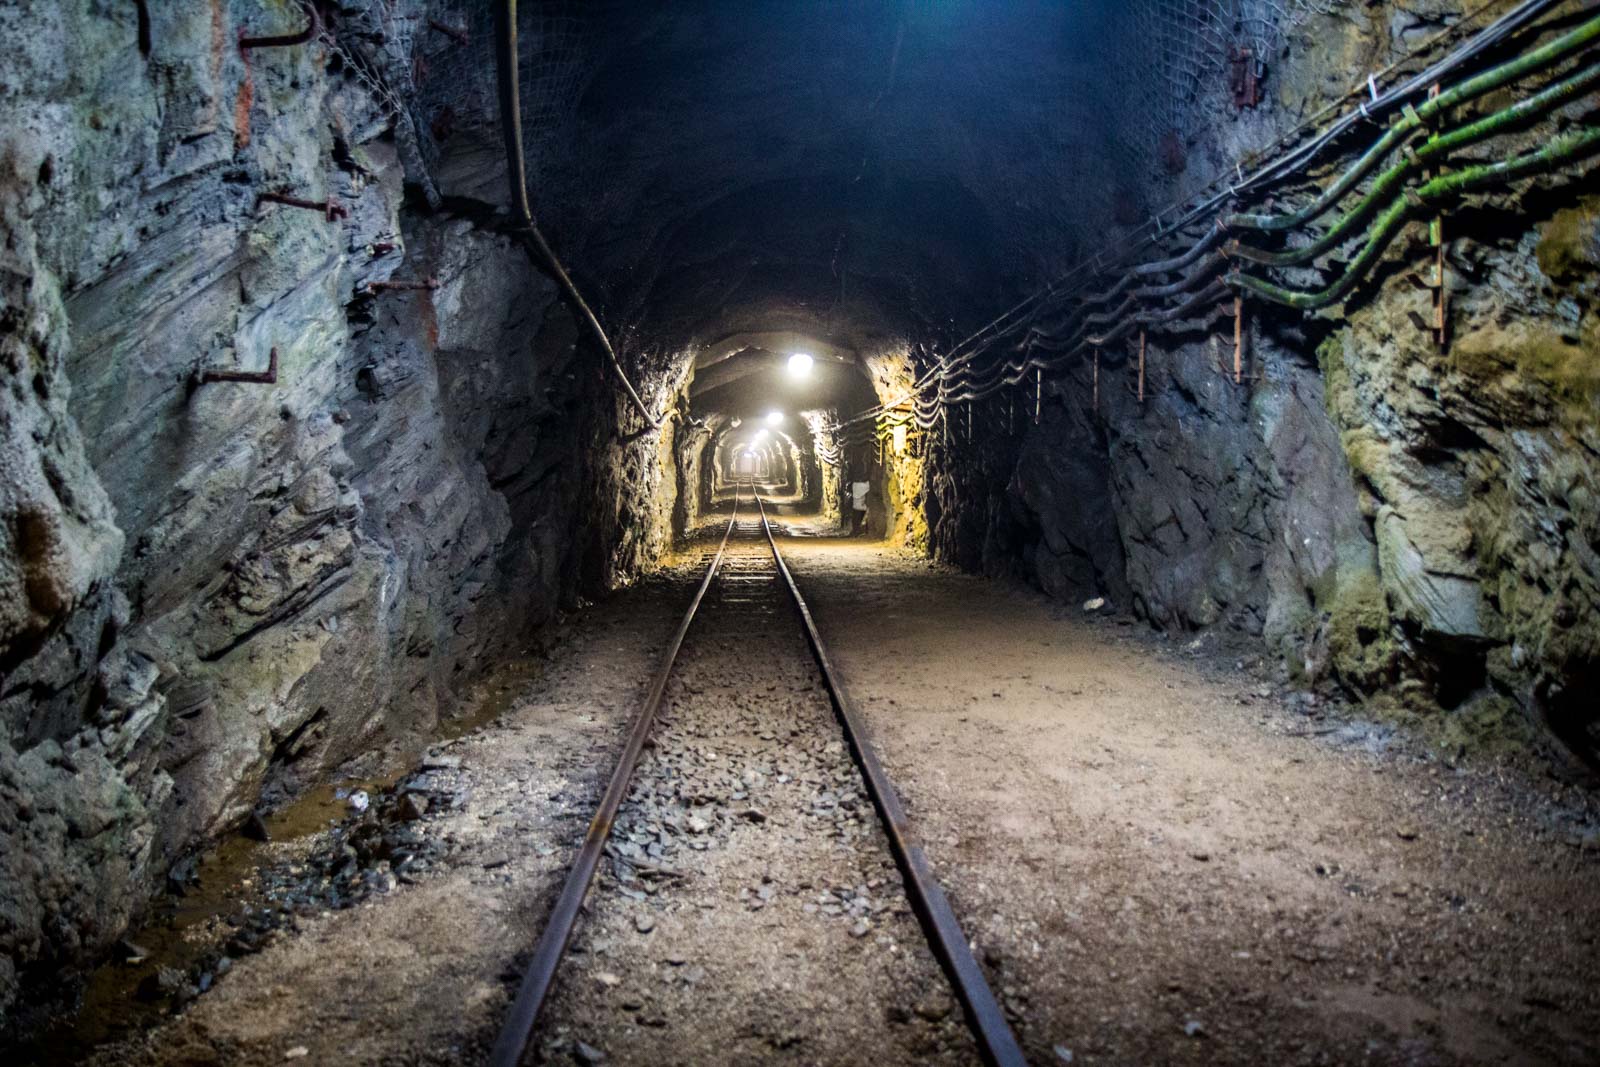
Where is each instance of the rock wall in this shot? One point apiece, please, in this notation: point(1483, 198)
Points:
point(1477, 468)
point(213, 593)
point(1416, 525)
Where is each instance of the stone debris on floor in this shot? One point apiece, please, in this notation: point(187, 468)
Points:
point(1128, 900)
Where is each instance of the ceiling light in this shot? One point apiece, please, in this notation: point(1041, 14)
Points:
point(800, 365)
point(774, 418)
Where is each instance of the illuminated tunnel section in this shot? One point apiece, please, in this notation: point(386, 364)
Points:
point(765, 401)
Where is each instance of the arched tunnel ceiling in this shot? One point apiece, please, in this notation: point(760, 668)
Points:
point(776, 341)
point(748, 374)
point(851, 172)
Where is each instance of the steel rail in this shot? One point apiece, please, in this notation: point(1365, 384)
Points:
point(512, 1042)
point(997, 1044)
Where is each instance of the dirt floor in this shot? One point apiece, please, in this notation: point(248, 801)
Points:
point(1163, 860)
point(1159, 858)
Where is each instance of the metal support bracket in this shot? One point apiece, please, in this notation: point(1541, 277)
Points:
point(391, 286)
point(1095, 395)
point(1238, 339)
point(1243, 79)
point(331, 209)
point(253, 377)
point(1141, 366)
point(1440, 327)
point(282, 40)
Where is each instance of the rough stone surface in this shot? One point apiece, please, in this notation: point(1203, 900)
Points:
point(1415, 525)
point(211, 594)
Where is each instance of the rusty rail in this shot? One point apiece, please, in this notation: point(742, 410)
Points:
point(996, 1042)
point(518, 1027)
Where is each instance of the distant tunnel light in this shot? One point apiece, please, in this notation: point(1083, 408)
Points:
point(800, 365)
point(774, 418)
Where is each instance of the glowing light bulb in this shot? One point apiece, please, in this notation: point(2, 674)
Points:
point(774, 418)
point(800, 365)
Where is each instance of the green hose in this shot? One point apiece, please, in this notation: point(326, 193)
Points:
point(1387, 183)
point(1540, 57)
point(1561, 149)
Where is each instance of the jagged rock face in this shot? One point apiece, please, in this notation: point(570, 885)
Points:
point(211, 593)
point(1417, 525)
point(1479, 465)
point(214, 593)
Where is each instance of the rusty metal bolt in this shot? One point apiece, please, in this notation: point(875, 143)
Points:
point(258, 377)
point(330, 207)
point(282, 40)
point(391, 286)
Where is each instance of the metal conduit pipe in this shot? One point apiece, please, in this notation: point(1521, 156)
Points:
point(510, 100)
point(1569, 146)
point(1118, 312)
point(1575, 40)
point(980, 385)
point(1417, 118)
point(970, 377)
point(1208, 267)
point(1178, 262)
point(1009, 373)
point(1036, 339)
point(1109, 295)
point(1279, 168)
point(1542, 102)
point(1300, 158)
point(1210, 293)
point(1385, 186)
point(1381, 103)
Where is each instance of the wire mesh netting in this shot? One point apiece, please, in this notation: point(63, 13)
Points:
point(555, 63)
point(431, 68)
point(1182, 51)
point(433, 65)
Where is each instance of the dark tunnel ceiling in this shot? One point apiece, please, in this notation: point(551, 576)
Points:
point(850, 171)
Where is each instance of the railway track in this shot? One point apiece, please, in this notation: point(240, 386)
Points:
point(747, 591)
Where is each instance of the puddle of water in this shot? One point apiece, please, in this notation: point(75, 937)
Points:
point(181, 932)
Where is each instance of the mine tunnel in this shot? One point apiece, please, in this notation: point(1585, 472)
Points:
point(780, 531)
